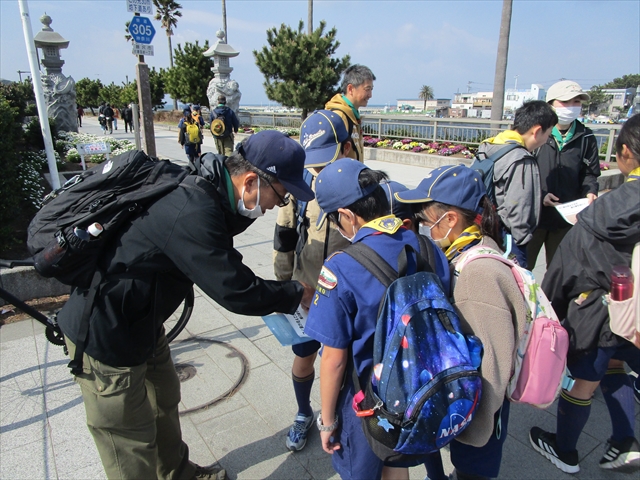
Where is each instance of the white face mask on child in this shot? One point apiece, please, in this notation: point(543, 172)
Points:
point(353, 229)
point(426, 231)
point(256, 211)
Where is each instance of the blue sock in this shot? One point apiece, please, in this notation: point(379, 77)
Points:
point(573, 414)
point(302, 389)
point(617, 392)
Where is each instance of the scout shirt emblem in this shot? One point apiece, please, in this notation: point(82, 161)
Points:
point(327, 281)
point(388, 224)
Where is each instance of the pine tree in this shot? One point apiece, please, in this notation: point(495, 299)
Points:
point(189, 78)
point(88, 93)
point(300, 70)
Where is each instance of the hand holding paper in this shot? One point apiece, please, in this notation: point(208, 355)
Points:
point(570, 210)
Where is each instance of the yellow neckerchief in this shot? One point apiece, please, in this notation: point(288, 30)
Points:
point(470, 235)
point(634, 175)
point(387, 224)
point(508, 136)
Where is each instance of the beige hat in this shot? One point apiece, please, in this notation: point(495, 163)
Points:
point(566, 90)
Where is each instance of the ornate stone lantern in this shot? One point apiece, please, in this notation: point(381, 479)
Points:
point(222, 83)
point(59, 90)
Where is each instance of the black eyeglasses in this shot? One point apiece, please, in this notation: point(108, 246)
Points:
point(283, 201)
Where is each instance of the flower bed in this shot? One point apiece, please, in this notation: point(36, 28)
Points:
point(444, 149)
point(69, 140)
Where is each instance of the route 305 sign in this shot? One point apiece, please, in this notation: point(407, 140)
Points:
point(141, 30)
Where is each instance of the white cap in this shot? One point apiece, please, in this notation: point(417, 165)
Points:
point(566, 90)
point(95, 229)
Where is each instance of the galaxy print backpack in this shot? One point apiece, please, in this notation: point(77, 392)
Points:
point(425, 385)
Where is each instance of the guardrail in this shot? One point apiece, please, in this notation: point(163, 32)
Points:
point(469, 131)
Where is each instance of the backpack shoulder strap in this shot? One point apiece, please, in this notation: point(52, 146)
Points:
point(427, 252)
point(350, 125)
point(503, 151)
point(373, 262)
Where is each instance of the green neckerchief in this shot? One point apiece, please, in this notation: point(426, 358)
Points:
point(560, 140)
point(232, 199)
point(355, 110)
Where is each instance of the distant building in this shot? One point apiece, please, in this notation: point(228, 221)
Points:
point(433, 106)
point(478, 104)
point(620, 98)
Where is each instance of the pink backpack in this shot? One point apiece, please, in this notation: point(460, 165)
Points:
point(541, 357)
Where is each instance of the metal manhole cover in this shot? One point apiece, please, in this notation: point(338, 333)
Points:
point(185, 371)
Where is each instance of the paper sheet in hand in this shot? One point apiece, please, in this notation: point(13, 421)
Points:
point(288, 329)
point(569, 210)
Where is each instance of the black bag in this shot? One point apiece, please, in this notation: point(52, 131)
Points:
point(108, 194)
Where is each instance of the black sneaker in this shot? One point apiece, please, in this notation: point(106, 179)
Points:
point(622, 456)
point(210, 472)
point(545, 444)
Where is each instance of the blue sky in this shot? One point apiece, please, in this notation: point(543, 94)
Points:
point(407, 44)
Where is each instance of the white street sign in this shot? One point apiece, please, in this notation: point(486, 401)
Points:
point(140, 49)
point(140, 6)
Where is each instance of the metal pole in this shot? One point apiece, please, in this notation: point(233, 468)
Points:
point(136, 124)
point(37, 87)
point(224, 20)
point(310, 19)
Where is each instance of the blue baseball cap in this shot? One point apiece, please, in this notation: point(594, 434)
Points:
point(321, 135)
point(455, 185)
point(275, 153)
point(399, 209)
point(186, 111)
point(196, 107)
point(337, 186)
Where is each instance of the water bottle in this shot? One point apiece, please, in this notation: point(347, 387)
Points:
point(621, 283)
point(45, 262)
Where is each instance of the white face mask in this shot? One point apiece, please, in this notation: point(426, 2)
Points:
point(353, 229)
point(256, 211)
point(426, 231)
point(567, 115)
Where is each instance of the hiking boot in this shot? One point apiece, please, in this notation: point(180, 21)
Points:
point(297, 436)
point(622, 456)
point(635, 381)
point(545, 444)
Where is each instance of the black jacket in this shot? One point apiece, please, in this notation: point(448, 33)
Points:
point(108, 112)
point(604, 237)
point(569, 173)
point(231, 123)
point(185, 237)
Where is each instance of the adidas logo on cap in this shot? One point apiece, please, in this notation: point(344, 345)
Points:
point(272, 169)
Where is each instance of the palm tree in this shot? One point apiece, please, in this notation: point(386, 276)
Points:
point(497, 104)
point(168, 11)
point(426, 93)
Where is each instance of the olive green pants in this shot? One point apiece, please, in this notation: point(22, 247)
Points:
point(550, 239)
point(224, 145)
point(132, 413)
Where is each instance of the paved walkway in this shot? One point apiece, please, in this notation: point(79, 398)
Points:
point(42, 422)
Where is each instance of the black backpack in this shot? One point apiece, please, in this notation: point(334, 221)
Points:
point(108, 194)
point(486, 165)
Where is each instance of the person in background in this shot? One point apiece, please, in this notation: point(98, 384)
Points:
point(451, 208)
point(575, 282)
point(569, 167)
point(127, 116)
point(356, 88)
point(516, 176)
point(108, 113)
point(116, 116)
point(223, 130)
point(189, 136)
point(80, 115)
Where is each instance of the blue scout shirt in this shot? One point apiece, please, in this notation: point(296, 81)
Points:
point(344, 309)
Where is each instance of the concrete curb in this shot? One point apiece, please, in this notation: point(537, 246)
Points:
point(26, 284)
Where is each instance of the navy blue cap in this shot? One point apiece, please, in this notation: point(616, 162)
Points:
point(455, 185)
point(196, 107)
point(186, 111)
point(275, 153)
point(337, 186)
point(399, 209)
point(321, 136)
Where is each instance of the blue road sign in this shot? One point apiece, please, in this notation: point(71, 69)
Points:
point(141, 30)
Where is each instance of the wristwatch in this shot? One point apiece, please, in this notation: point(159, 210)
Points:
point(325, 428)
